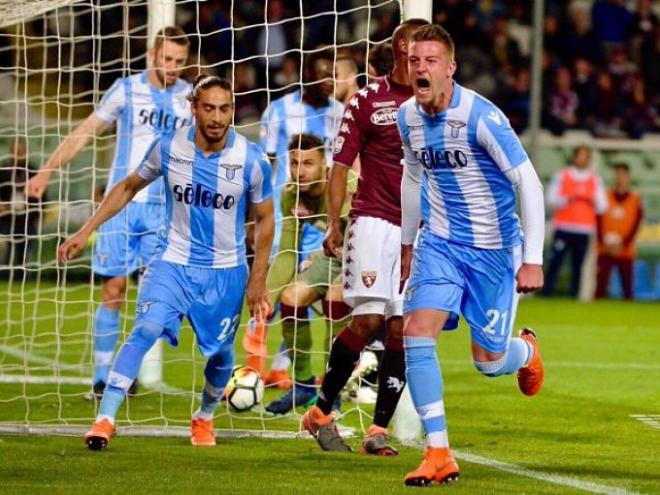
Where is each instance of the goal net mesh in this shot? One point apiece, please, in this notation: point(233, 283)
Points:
point(57, 58)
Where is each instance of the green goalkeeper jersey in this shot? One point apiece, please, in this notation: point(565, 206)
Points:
point(297, 209)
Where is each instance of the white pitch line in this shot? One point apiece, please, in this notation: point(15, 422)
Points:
point(652, 420)
point(554, 478)
point(19, 353)
point(571, 364)
point(45, 380)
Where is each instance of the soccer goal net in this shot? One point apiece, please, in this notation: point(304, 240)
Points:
point(57, 59)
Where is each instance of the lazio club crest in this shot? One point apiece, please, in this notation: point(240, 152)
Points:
point(456, 126)
point(369, 278)
point(230, 170)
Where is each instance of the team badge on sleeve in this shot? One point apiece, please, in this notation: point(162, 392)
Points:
point(369, 278)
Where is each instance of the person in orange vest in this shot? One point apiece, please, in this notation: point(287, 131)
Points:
point(617, 230)
point(577, 195)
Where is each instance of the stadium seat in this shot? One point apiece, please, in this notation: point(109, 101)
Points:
point(656, 283)
point(642, 279)
point(615, 288)
point(549, 161)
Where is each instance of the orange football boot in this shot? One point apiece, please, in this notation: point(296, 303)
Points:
point(279, 379)
point(438, 466)
point(530, 377)
point(201, 432)
point(98, 437)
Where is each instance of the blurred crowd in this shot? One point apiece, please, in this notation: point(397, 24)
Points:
point(600, 57)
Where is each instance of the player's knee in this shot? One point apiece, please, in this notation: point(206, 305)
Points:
point(334, 294)
point(366, 326)
point(288, 296)
point(298, 294)
point(145, 334)
point(113, 291)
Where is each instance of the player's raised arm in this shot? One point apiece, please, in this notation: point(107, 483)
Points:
point(66, 151)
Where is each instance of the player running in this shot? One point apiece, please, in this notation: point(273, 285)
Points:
point(144, 107)
point(304, 201)
point(463, 168)
point(371, 250)
point(212, 175)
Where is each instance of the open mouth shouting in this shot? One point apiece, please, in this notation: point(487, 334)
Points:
point(423, 86)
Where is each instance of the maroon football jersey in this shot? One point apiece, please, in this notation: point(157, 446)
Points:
point(369, 129)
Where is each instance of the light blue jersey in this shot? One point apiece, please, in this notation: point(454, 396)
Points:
point(206, 197)
point(464, 153)
point(143, 113)
point(290, 115)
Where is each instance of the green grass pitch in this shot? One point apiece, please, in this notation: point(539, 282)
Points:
point(579, 435)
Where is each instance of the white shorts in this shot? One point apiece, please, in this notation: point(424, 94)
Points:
point(372, 267)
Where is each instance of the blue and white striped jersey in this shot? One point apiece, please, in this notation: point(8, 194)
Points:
point(143, 113)
point(464, 153)
point(290, 115)
point(206, 197)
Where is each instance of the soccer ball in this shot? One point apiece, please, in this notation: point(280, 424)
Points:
point(244, 390)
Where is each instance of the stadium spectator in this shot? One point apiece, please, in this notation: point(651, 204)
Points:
point(584, 84)
point(271, 43)
point(617, 231)
point(289, 73)
point(578, 39)
point(577, 195)
point(644, 23)
point(606, 119)
point(19, 216)
point(612, 22)
point(563, 104)
point(639, 114)
point(517, 101)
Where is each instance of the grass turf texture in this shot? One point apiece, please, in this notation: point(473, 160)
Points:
point(602, 364)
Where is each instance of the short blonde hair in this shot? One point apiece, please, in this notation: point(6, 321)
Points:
point(435, 32)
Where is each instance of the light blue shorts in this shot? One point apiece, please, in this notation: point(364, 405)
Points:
point(127, 241)
point(476, 283)
point(211, 299)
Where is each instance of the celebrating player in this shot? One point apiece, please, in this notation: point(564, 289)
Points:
point(371, 252)
point(463, 167)
point(145, 106)
point(212, 175)
point(304, 201)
